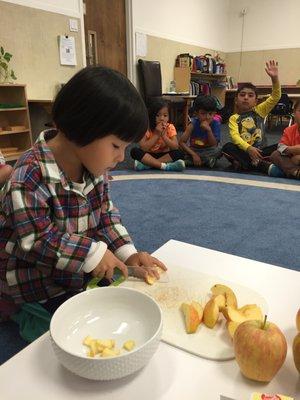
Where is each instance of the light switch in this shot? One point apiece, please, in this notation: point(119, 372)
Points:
point(73, 25)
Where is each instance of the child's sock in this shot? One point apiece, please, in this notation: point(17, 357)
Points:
point(163, 166)
point(139, 166)
point(178, 166)
point(275, 171)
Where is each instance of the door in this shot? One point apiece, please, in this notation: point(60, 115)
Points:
point(105, 33)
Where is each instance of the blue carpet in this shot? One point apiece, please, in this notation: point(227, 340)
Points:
point(252, 222)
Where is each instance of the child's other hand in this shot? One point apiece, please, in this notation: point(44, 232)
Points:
point(254, 153)
point(272, 69)
point(144, 265)
point(197, 160)
point(106, 266)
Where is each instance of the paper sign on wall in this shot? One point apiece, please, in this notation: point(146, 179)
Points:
point(67, 50)
point(140, 44)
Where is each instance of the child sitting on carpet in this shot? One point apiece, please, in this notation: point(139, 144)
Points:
point(58, 226)
point(202, 136)
point(159, 147)
point(287, 155)
point(246, 127)
point(5, 170)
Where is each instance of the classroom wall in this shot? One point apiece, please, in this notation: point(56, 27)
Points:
point(270, 32)
point(174, 27)
point(34, 46)
point(66, 7)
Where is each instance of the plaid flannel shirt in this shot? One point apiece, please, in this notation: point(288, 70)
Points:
point(47, 227)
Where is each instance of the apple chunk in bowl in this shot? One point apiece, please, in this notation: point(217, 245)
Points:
point(114, 313)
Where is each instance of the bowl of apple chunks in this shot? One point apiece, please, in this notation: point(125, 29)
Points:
point(224, 303)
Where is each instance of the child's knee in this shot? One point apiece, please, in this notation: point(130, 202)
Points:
point(296, 159)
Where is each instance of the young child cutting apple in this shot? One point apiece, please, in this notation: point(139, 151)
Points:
point(58, 226)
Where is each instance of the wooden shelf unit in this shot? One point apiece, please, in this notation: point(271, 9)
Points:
point(183, 77)
point(15, 141)
point(217, 91)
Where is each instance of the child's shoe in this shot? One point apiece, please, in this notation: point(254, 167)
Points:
point(275, 171)
point(139, 166)
point(211, 162)
point(178, 166)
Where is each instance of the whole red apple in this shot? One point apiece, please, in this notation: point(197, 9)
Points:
point(296, 351)
point(260, 349)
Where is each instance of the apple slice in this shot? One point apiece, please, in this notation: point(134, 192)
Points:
point(191, 317)
point(211, 313)
point(231, 327)
point(227, 292)
point(252, 312)
point(152, 279)
point(198, 307)
point(220, 300)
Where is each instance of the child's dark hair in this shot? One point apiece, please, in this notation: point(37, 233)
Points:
point(204, 102)
point(97, 102)
point(153, 108)
point(247, 85)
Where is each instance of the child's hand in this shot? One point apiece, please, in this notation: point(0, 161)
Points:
point(106, 266)
point(254, 153)
point(272, 70)
point(206, 124)
point(160, 128)
point(197, 160)
point(144, 265)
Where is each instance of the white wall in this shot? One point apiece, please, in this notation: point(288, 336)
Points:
point(269, 24)
point(199, 22)
point(67, 7)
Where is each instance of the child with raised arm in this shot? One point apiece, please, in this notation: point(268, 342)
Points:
point(246, 127)
point(287, 155)
point(58, 225)
point(159, 147)
point(200, 141)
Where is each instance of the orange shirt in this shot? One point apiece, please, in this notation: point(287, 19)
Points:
point(291, 136)
point(160, 146)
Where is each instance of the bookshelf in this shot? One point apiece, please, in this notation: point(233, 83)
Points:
point(183, 76)
point(15, 130)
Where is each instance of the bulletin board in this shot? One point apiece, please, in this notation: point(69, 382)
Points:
point(31, 36)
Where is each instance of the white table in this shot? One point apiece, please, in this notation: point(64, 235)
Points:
point(172, 374)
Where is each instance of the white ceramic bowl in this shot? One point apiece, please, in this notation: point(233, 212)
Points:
point(106, 313)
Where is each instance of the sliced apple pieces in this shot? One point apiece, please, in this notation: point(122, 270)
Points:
point(191, 316)
point(231, 327)
point(227, 292)
point(211, 313)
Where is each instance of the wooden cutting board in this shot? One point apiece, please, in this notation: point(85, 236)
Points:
point(185, 285)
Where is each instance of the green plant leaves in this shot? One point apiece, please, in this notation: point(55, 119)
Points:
point(7, 74)
point(7, 57)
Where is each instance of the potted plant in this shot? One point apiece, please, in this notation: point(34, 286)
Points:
point(7, 75)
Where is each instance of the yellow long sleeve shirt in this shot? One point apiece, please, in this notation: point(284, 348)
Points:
point(247, 129)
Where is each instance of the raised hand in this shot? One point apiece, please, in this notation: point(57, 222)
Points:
point(272, 69)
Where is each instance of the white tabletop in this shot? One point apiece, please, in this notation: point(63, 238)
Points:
point(172, 374)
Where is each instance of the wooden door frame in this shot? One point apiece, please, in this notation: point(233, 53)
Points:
point(129, 39)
